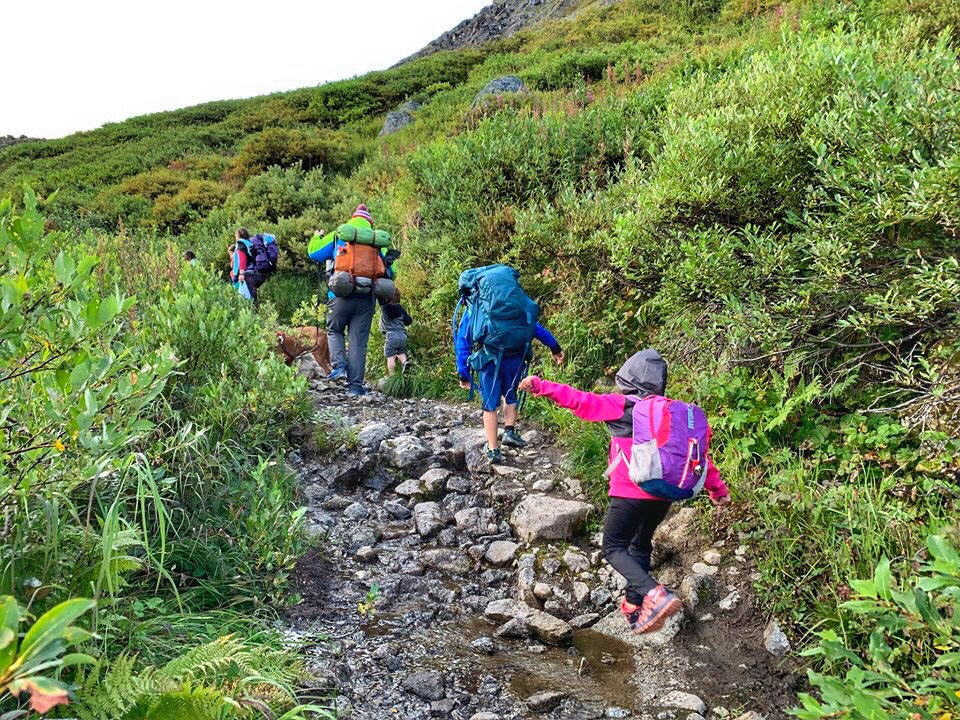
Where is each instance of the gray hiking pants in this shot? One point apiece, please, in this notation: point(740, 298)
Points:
point(353, 314)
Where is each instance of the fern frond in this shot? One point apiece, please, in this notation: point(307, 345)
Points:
point(186, 703)
point(211, 661)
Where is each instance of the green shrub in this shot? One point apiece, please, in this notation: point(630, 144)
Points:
point(289, 147)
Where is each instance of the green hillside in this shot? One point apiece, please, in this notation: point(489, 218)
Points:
point(769, 193)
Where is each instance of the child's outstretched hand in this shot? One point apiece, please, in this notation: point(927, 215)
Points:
point(558, 357)
point(526, 385)
point(720, 501)
point(465, 384)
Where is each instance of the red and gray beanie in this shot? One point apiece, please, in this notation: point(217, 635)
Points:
point(363, 212)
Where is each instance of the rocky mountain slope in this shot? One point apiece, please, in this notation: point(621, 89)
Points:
point(6, 140)
point(500, 19)
point(447, 587)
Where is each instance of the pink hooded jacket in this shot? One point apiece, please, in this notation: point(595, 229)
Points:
point(644, 374)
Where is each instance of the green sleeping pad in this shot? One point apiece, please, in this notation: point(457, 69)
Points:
point(364, 236)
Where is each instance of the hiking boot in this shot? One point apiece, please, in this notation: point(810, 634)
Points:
point(495, 455)
point(405, 367)
point(357, 391)
point(338, 372)
point(512, 439)
point(658, 605)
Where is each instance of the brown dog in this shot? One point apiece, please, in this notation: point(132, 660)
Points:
point(304, 339)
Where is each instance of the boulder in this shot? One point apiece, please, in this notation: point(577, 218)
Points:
point(678, 529)
point(434, 481)
point(426, 685)
point(473, 444)
point(540, 517)
point(775, 640)
point(505, 609)
point(397, 510)
point(396, 120)
point(356, 511)
point(500, 86)
point(683, 701)
point(614, 625)
point(541, 625)
point(370, 436)
point(585, 620)
point(427, 518)
point(501, 552)
point(404, 451)
point(515, 629)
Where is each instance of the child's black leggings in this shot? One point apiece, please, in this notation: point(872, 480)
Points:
point(628, 541)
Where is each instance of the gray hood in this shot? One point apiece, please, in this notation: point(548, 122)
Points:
point(645, 373)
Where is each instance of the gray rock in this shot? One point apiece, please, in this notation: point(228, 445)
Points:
point(484, 716)
point(434, 481)
point(356, 511)
point(505, 609)
point(545, 485)
point(683, 701)
point(427, 517)
point(704, 569)
point(542, 591)
point(585, 620)
point(399, 511)
point(442, 708)
point(545, 701)
point(533, 437)
point(678, 530)
point(616, 712)
point(500, 86)
point(460, 485)
point(501, 552)
point(695, 716)
point(581, 591)
point(404, 451)
point(615, 626)
point(550, 565)
point(576, 561)
point(541, 625)
point(548, 628)
point(695, 589)
point(409, 488)
point(396, 120)
point(483, 645)
point(515, 628)
point(370, 436)
point(775, 640)
point(426, 684)
point(712, 557)
point(453, 562)
point(730, 601)
point(751, 715)
point(473, 443)
point(526, 578)
point(469, 519)
point(600, 596)
point(540, 517)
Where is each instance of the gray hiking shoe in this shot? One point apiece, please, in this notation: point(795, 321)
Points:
point(495, 455)
point(513, 439)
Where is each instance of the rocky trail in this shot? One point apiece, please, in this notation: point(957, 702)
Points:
point(484, 592)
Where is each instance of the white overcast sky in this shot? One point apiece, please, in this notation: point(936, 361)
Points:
point(76, 64)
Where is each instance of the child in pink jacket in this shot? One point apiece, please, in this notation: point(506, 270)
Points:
point(633, 515)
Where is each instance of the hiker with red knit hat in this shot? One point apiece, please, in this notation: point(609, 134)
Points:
point(659, 453)
point(353, 313)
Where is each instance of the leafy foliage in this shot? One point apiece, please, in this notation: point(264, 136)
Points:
point(900, 659)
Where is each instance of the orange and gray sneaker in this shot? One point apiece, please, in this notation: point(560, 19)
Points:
point(658, 605)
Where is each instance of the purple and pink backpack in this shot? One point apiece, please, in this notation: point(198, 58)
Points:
point(668, 456)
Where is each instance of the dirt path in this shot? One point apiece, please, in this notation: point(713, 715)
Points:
point(409, 505)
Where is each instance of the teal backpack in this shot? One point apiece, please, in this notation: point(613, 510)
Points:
point(503, 318)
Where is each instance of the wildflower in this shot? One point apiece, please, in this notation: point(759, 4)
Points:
point(59, 445)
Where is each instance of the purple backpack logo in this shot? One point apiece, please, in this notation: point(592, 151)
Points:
point(668, 456)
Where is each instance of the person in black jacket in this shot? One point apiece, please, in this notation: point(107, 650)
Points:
point(394, 320)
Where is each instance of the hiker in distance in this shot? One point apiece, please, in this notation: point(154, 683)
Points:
point(253, 260)
point(358, 261)
point(394, 320)
point(659, 453)
point(493, 344)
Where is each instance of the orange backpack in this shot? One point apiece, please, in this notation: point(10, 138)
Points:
point(360, 261)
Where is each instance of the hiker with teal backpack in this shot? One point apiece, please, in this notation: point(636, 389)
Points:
point(253, 260)
point(358, 261)
point(493, 344)
point(659, 454)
